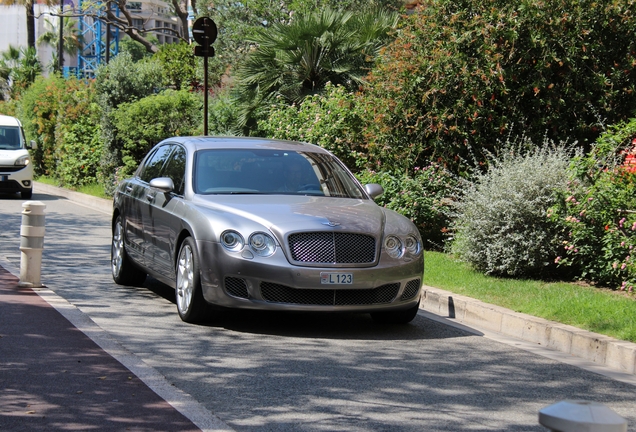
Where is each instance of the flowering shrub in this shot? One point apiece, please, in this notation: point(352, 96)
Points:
point(598, 212)
point(501, 226)
point(422, 196)
point(78, 148)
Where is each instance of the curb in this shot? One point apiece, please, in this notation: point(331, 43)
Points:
point(101, 204)
point(604, 350)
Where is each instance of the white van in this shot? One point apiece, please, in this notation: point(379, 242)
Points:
point(16, 168)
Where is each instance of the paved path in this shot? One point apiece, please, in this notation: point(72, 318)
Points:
point(53, 377)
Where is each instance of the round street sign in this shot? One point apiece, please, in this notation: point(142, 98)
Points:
point(204, 31)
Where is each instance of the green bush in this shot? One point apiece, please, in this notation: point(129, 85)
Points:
point(329, 120)
point(598, 212)
point(79, 148)
point(501, 225)
point(142, 124)
point(422, 196)
point(462, 75)
point(179, 65)
point(120, 81)
point(38, 110)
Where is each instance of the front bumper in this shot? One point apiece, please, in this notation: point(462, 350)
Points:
point(232, 280)
point(14, 179)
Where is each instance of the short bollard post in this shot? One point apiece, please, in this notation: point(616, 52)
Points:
point(31, 244)
point(581, 416)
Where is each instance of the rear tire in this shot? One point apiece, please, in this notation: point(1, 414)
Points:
point(124, 271)
point(404, 316)
point(191, 305)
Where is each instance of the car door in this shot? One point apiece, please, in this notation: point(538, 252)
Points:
point(132, 202)
point(164, 223)
point(144, 196)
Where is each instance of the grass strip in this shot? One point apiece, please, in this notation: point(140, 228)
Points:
point(598, 310)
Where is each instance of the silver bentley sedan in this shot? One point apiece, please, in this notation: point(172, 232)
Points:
point(263, 224)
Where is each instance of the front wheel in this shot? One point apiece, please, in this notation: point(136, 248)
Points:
point(124, 271)
point(190, 302)
point(404, 316)
point(26, 194)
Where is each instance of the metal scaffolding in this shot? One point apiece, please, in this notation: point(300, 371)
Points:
point(101, 40)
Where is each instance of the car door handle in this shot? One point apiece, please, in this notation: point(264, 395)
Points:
point(129, 188)
point(150, 197)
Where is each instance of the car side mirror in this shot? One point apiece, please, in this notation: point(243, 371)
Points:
point(33, 145)
point(164, 184)
point(374, 190)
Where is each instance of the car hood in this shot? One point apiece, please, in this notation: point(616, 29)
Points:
point(8, 157)
point(290, 213)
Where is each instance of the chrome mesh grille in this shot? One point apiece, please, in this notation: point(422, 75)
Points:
point(412, 287)
point(332, 247)
point(236, 287)
point(276, 293)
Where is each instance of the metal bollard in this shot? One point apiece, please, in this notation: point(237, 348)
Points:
point(581, 416)
point(31, 244)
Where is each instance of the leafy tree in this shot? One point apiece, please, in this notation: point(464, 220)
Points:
point(136, 50)
point(298, 59)
point(461, 76)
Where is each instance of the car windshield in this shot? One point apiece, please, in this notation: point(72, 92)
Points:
point(241, 171)
point(10, 138)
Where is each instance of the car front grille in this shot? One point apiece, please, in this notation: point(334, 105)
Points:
point(275, 293)
point(236, 287)
point(412, 287)
point(332, 248)
point(10, 168)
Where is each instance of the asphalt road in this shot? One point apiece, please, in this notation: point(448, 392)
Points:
point(252, 371)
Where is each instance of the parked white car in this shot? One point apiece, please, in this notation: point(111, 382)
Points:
point(16, 169)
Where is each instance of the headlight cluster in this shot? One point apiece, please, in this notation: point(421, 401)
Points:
point(262, 244)
point(23, 160)
point(396, 247)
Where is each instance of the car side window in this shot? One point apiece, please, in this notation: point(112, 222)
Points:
point(153, 166)
point(175, 169)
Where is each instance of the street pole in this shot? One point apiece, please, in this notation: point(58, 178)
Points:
point(60, 43)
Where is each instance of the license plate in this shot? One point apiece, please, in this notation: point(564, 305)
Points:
point(336, 278)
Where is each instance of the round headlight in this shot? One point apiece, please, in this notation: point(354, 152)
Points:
point(262, 244)
point(393, 246)
point(232, 240)
point(412, 245)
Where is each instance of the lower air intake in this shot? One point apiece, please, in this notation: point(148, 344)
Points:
point(276, 293)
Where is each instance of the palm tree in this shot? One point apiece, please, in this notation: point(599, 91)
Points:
point(72, 39)
point(291, 61)
point(18, 68)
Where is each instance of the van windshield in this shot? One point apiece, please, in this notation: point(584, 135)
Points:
point(10, 138)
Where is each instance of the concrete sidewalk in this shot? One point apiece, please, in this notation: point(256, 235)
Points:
point(603, 350)
point(53, 377)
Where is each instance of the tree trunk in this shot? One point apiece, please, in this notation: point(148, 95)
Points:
point(30, 16)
